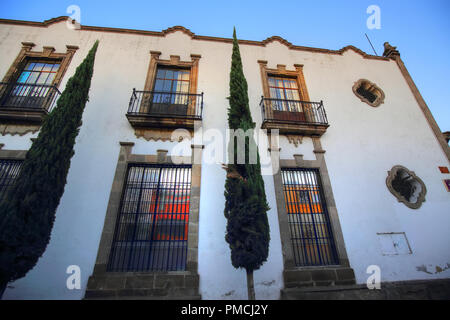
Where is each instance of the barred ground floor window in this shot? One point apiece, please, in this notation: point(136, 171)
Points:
point(151, 230)
point(309, 223)
point(9, 170)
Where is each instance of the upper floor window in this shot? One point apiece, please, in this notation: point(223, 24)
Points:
point(28, 91)
point(285, 102)
point(169, 98)
point(171, 91)
point(172, 80)
point(283, 88)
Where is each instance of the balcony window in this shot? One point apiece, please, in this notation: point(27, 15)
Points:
point(169, 99)
point(285, 104)
point(29, 89)
point(171, 92)
point(33, 88)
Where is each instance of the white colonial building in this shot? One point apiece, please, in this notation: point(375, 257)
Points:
point(356, 179)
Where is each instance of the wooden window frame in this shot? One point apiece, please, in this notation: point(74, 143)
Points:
point(27, 119)
point(26, 54)
point(174, 62)
point(281, 71)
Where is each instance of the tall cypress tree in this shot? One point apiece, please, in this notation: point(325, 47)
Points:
point(245, 198)
point(28, 212)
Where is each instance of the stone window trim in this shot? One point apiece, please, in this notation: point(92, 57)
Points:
point(126, 157)
point(372, 87)
point(282, 72)
point(293, 276)
point(174, 61)
point(48, 52)
point(420, 197)
point(299, 162)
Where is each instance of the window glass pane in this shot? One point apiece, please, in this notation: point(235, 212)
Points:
point(32, 78)
point(184, 87)
point(50, 78)
point(29, 66)
point(55, 67)
point(185, 75)
point(290, 84)
point(166, 85)
point(169, 74)
point(23, 77)
point(47, 67)
point(158, 85)
point(38, 66)
point(160, 73)
point(42, 78)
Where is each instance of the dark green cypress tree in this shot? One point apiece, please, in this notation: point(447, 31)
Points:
point(245, 198)
point(28, 212)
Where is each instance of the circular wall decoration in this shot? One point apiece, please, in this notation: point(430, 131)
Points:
point(406, 186)
point(368, 92)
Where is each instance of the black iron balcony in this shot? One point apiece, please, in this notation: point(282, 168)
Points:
point(26, 103)
point(164, 109)
point(294, 116)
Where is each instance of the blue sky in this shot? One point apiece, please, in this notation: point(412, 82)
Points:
point(419, 29)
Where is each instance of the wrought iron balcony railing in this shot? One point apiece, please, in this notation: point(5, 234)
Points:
point(166, 104)
point(293, 112)
point(27, 97)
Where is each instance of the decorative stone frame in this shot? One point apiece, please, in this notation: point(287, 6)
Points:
point(160, 128)
point(174, 61)
point(294, 132)
point(293, 275)
point(18, 121)
point(127, 283)
point(48, 52)
point(420, 196)
point(281, 71)
point(372, 87)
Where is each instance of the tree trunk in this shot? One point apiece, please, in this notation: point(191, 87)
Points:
point(3, 285)
point(250, 285)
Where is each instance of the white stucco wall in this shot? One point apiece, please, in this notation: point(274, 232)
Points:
point(362, 144)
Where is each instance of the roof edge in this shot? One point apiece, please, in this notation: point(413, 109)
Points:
point(189, 33)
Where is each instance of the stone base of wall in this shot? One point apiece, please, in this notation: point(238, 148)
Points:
point(318, 277)
point(404, 290)
point(145, 286)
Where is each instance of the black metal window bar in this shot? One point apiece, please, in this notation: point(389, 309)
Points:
point(166, 104)
point(151, 231)
point(9, 170)
point(308, 219)
point(293, 111)
point(25, 96)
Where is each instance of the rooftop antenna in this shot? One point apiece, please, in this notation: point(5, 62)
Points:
point(371, 44)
